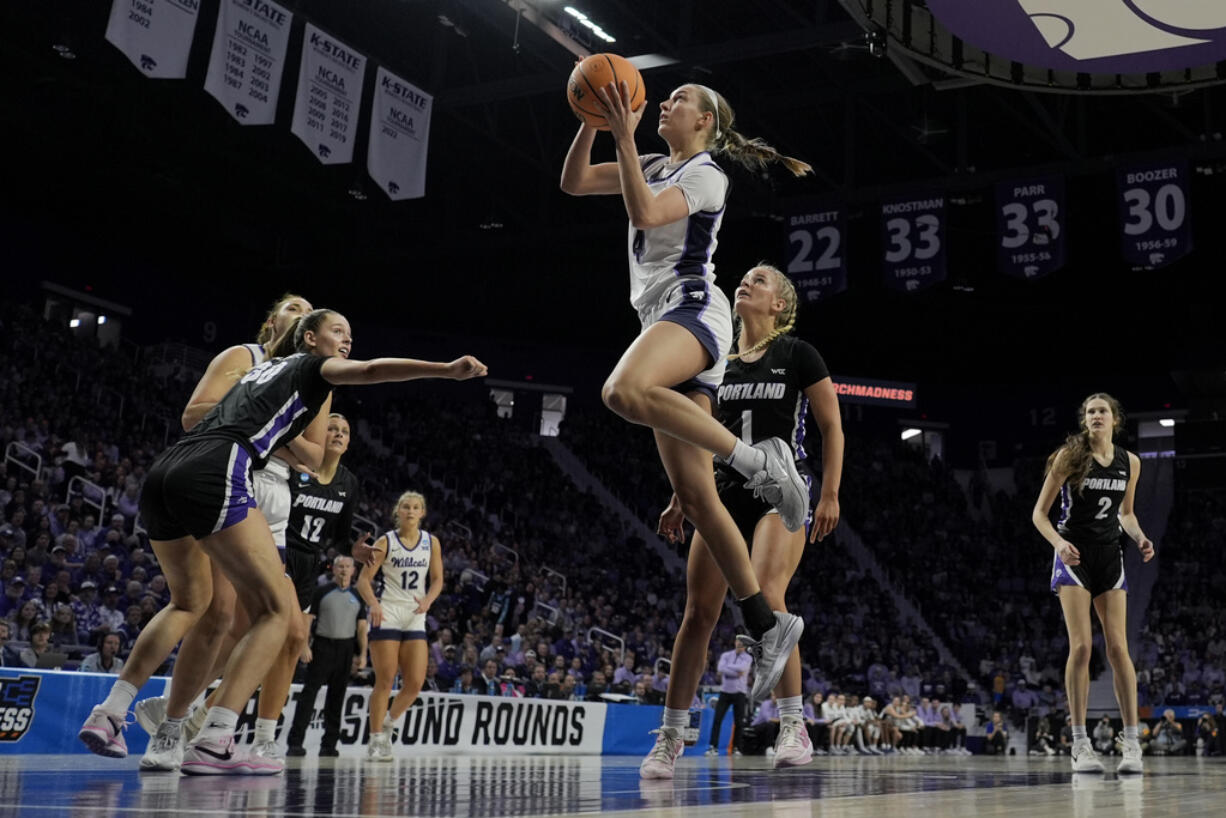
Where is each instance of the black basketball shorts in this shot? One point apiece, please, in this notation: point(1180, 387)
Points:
point(197, 488)
point(303, 568)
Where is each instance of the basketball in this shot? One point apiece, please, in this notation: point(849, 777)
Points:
point(596, 72)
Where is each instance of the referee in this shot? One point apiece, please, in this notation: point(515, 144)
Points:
point(337, 650)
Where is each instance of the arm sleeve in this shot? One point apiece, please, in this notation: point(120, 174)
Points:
point(705, 187)
point(810, 367)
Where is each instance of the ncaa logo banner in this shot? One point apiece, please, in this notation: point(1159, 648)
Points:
point(156, 35)
point(247, 59)
point(17, 697)
point(399, 136)
point(1030, 226)
point(329, 96)
point(1155, 224)
point(913, 235)
point(1092, 36)
point(816, 261)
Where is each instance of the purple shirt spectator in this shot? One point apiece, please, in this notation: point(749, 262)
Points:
point(625, 676)
point(734, 667)
point(767, 711)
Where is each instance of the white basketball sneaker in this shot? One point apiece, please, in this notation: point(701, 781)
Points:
point(165, 752)
point(150, 713)
point(793, 748)
point(1085, 760)
point(1131, 752)
point(771, 653)
point(780, 485)
point(663, 757)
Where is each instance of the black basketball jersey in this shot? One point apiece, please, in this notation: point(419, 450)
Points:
point(1091, 516)
point(269, 406)
point(766, 398)
point(321, 516)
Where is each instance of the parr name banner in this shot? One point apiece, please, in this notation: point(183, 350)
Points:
point(1030, 226)
point(816, 260)
point(247, 59)
point(913, 231)
point(399, 136)
point(329, 95)
point(1154, 215)
point(156, 35)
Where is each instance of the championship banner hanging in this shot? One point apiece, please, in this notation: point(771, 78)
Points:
point(1030, 226)
point(913, 231)
point(156, 35)
point(247, 59)
point(329, 96)
point(399, 136)
point(816, 261)
point(1154, 215)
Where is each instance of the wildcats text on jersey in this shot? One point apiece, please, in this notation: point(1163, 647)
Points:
point(752, 391)
point(422, 561)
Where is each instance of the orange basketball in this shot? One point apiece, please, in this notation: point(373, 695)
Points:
point(596, 72)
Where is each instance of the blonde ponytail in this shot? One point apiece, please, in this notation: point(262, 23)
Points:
point(753, 154)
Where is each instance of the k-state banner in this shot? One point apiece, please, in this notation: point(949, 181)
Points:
point(399, 136)
point(1030, 226)
point(913, 231)
point(247, 59)
point(156, 35)
point(329, 96)
point(1154, 214)
point(816, 259)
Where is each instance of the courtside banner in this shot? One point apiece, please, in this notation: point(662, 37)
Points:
point(1030, 226)
point(156, 35)
point(874, 392)
point(1155, 221)
point(399, 136)
point(329, 96)
point(247, 59)
point(913, 239)
point(816, 261)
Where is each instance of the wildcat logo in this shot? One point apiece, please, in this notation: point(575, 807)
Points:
point(324, 151)
point(1091, 29)
point(17, 706)
point(147, 62)
point(241, 110)
point(392, 187)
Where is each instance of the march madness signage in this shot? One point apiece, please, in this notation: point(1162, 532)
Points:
point(17, 697)
point(873, 392)
point(1030, 226)
point(816, 258)
point(1155, 225)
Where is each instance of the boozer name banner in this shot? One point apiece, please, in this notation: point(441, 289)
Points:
point(816, 254)
point(247, 59)
point(913, 234)
point(156, 35)
point(1030, 226)
point(329, 95)
point(399, 136)
point(1154, 219)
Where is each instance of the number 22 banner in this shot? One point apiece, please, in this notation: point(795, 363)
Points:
point(816, 261)
point(1030, 226)
point(1155, 221)
point(913, 231)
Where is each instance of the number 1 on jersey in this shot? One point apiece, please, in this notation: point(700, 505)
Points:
point(747, 426)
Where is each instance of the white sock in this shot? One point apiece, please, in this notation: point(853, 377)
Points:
point(119, 700)
point(1130, 733)
point(265, 729)
point(218, 722)
point(792, 706)
point(388, 724)
point(677, 719)
point(1079, 732)
point(746, 459)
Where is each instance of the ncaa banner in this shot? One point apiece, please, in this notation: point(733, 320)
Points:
point(156, 35)
point(816, 261)
point(329, 96)
point(247, 59)
point(1030, 227)
point(1154, 216)
point(913, 231)
point(399, 135)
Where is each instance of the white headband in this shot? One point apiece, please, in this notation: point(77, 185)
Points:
point(714, 100)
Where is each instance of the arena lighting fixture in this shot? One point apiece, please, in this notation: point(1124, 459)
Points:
point(586, 22)
point(1166, 422)
point(101, 319)
point(74, 323)
point(907, 434)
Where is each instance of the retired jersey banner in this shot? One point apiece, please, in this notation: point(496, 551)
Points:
point(399, 136)
point(816, 256)
point(1154, 215)
point(1030, 226)
point(329, 95)
point(913, 231)
point(156, 35)
point(247, 59)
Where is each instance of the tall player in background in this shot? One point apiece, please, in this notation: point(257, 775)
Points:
point(1097, 482)
point(772, 380)
point(668, 377)
point(412, 565)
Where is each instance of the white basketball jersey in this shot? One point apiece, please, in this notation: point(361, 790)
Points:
point(258, 354)
point(659, 256)
point(405, 569)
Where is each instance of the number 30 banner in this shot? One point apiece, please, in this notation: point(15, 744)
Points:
point(914, 240)
point(1154, 216)
point(1030, 226)
point(816, 261)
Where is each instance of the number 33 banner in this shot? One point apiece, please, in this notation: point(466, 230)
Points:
point(914, 241)
point(816, 261)
point(1030, 227)
point(1154, 217)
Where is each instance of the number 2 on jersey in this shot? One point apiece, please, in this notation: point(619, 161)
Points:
point(1105, 508)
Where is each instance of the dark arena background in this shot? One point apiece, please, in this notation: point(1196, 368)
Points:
point(1013, 205)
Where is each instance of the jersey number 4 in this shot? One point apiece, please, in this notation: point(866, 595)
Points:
point(312, 528)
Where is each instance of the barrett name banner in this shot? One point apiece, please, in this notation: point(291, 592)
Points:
point(247, 59)
point(156, 35)
point(913, 235)
point(816, 259)
point(329, 95)
point(399, 136)
point(1154, 218)
point(1030, 226)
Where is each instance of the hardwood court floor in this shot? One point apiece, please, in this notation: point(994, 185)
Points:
point(459, 786)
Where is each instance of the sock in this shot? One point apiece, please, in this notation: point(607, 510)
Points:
point(676, 719)
point(791, 707)
point(746, 459)
point(119, 700)
point(219, 722)
point(1079, 732)
point(758, 615)
point(198, 717)
point(265, 729)
point(174, 724)
point(1130, 733)
point(388, 724)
